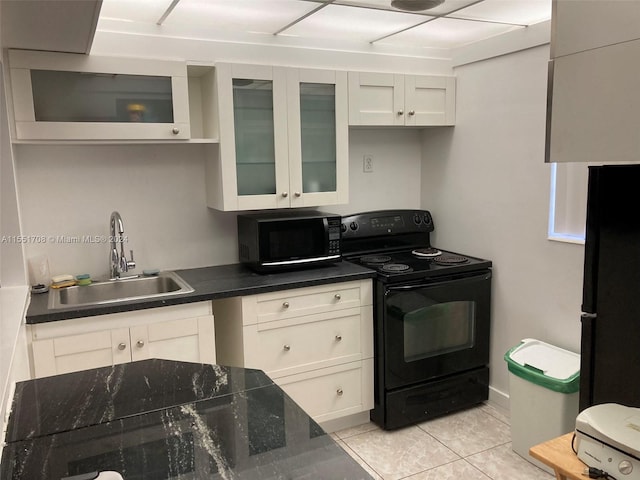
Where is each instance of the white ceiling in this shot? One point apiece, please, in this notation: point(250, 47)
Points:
point(352, 24)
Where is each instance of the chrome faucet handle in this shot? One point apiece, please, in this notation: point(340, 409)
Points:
point(131, 264)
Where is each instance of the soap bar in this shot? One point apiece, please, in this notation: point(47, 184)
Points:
point(68, 283)
point(62, 278)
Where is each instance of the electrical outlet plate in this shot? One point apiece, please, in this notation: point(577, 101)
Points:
point(367, 163)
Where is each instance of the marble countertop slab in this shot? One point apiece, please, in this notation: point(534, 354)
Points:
point(159, 419)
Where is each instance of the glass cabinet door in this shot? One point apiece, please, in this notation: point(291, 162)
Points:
point(61, 96)
point(318, 137)
point(254, 136)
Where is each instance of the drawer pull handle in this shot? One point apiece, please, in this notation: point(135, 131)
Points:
point(286, 347)
point(337, 296)
point(122, 346)
point(140, 343)
point(285, 305)
point(339, 391)
point(338, 338)
point(175, 130)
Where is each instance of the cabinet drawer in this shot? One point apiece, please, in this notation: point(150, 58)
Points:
point(306, 343)
point(304, 301)
point(332, 392)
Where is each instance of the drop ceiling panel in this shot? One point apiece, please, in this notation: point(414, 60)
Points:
point(522, 12)
point(446, 7)
point(142, 11)
point(351, 23)
point(447, 33)
point(256, 16)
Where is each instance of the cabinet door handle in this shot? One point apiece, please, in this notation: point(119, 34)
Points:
point(337, 296)
point(285, 194)
point(285, 305)
point(339, 392)
point(412, 112)
point(140, 343)
point(297, 194)
point(175, 130)
point(122, 346)
point(400, 112)
point(286, 347)
point(338, 338)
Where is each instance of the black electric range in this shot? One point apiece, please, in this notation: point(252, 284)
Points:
point(396, 243)
point(431, 317)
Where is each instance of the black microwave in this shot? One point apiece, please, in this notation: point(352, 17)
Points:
point(286, 240)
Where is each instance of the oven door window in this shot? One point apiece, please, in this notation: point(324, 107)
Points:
point(434, 329)
point(439, 329)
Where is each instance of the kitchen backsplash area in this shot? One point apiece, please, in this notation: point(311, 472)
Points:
point(160, 192)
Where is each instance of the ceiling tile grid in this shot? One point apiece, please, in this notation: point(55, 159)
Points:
point(449, 25)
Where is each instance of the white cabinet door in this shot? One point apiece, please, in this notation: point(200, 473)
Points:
point(593, 107)
point(254, 164)
point(429, 100)
point(318, 137)
point(58, 96)
point(579, 26)
point(186, 340)
point(179, 332)
point(387, 99)
point(80, 352)
point(376, 98)
point(283, 138)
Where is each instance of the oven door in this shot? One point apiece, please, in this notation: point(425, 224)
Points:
point(434, 329)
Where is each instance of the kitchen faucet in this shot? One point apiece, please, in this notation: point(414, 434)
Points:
point(118, 261)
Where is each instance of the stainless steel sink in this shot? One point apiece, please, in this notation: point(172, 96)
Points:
point(114, 291)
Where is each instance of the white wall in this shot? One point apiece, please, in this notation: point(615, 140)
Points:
point(488, 187)
point(71, 190)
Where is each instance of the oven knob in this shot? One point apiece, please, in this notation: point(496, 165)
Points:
point(353, 226)
point(625, 467)
point(343, 227)
point(426, 219)
point(416, 219)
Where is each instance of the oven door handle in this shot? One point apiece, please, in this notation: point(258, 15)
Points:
point(448, 281)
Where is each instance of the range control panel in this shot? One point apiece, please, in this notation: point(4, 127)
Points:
point(386, 222)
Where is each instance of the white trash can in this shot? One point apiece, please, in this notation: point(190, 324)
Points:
point(543, 394)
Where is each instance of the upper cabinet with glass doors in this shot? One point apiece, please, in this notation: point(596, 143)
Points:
point(59, 96)
point(283, 138)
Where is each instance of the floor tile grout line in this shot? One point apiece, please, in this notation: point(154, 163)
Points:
point(361, 459)
point(487, 449)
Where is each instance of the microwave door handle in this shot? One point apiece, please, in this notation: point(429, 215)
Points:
point(300, 261)
point(406, 288)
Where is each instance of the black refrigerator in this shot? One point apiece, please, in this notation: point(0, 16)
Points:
point(610, 344)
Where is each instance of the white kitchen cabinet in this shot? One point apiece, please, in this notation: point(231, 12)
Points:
point(179, 332)
point(593, 106)
point(58, 96)
point(592, 96)
point(580, 26)
point(283, 136)
point(389, 99)
point(315, 342)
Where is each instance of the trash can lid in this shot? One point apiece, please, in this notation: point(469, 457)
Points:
point(545, 365)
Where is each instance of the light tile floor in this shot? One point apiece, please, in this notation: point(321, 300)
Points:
point(473, 444)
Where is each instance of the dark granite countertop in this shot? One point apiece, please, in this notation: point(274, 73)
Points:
point(162, 419)
point(209, 283)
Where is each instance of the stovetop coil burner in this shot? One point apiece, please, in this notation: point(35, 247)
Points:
point(375, 259)
point(450, 260)
point(395, 268)
point(428, 252)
